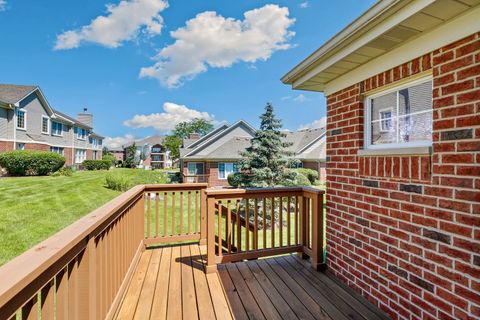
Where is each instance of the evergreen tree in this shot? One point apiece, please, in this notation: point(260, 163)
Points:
point(265, 162)
point(130, 156)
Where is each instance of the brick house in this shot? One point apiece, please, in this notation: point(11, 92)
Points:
point(402, 84)
point(213, 157)
point(151, 153)
point(28, 122)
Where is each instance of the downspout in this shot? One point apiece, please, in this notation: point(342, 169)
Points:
point(14, 127)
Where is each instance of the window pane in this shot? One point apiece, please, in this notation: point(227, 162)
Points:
point(415, 113)
point(383, 119)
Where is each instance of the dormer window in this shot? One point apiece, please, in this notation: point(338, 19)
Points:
point(400, 117)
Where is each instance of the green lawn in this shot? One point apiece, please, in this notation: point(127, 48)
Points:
point(34, 208)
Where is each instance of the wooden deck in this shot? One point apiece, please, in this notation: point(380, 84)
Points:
point(169, 283)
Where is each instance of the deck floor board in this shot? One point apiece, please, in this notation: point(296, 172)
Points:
point(170, 283)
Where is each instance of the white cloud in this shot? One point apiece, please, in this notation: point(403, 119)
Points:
point(118, 142)
point(3, 5)
point(304, 5)
point(320, 123)
point(164, 121)
point(210, 40)
point(123, 22)
point(299, 98)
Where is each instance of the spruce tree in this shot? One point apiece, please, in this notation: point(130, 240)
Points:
point(265, 162)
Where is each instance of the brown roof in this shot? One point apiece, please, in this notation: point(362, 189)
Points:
point(12, 93)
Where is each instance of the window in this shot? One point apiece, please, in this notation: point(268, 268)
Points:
point(81, 133)
point(94, 142)
point(401, 117)
point(45, 125)
point(21, 119)
point(58, 150)
point(57, 128)
point(224, 169)
point(80, 155)
point(95, 155)
point(195, 168)
point(20, 146)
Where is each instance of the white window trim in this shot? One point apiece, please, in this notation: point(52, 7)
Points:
point(62, 149)
point(367, 122)
point(84, 155)
point(48, 125)
point(192, 174)
point(226, 175)
point(24, 119)
point(56, 134)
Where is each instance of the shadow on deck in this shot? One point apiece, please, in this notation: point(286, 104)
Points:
point(169, 283)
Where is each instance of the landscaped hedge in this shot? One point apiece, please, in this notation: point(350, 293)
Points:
point(311, 174)
point(97, 164)
point(32, 163)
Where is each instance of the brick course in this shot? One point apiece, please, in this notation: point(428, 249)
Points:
point(404, 231)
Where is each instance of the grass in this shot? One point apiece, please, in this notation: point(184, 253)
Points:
point(34, 208)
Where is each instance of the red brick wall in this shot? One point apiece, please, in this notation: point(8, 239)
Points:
point(405, 230)
point(6, 146)
point(37, 146)
point(213, 180)
point(69, 158)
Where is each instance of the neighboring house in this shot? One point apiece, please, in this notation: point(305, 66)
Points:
point(151, 153)
point(213, 157)
point(403, 155)
point(118, 153)
point(28, 122)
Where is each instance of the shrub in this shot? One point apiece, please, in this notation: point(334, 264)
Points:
point(235, 179)
point(312, 175)
point(28, 162)
point(302, 180)
point(121, 181)
point(111, 158)
point(97, 164)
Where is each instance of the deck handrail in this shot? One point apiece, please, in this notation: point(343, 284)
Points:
point(299, 208)
point(82, 271)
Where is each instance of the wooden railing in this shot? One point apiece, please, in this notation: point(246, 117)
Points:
point(82, 271)
point(253, 223)
point(175, 213)
point(195, 178)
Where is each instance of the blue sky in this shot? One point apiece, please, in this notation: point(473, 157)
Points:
point(142, 65)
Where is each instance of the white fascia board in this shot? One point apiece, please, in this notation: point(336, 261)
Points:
point(390, 22)
point(464, 25)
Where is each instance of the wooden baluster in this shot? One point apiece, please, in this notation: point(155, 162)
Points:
point(210, 210)
point(220, 213)
point(272, 220)
point(229, 227)
point(189, 196)
point(309, 230)
point(164, 214)
point(61, 294)
point(148, 216)
point(317, 232)
point(72, 289)
point(30, 309)
point(157, 200)
point(181, 213)
point(303, 226)
point(255, 224)
point(288, 221)
point(203, 217)
point(264, 214)
point(239, 227)
point(47, 304)
point(296, 219)
point(247, 224)
point(196, 212)
point(280, 213)
point(173, 214)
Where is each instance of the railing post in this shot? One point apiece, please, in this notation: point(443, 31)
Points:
point(211, 263)
point(203, 217)
point(317, 259)
point(86, 283)
point(303, 227)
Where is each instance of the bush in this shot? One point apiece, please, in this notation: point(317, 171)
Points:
point(302, 180)
point(34, 163)
point(64, 171)
point(235, 179)
point(312, 175)
point(111, 158)
point(120, 181)
point(97, 164)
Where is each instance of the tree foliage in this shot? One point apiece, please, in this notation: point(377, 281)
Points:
point(130, 156)
point(265, 163)
point(182, 131)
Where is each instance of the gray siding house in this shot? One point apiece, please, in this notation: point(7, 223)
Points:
point(28, 122)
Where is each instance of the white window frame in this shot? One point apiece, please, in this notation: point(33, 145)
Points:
point(368, 111)
point(78, 159)
point(48, 125)
point(24, 119)
point(80, 136)
point(227, 173)
point(59, 150)
point(61, 131)
point(195, 174)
